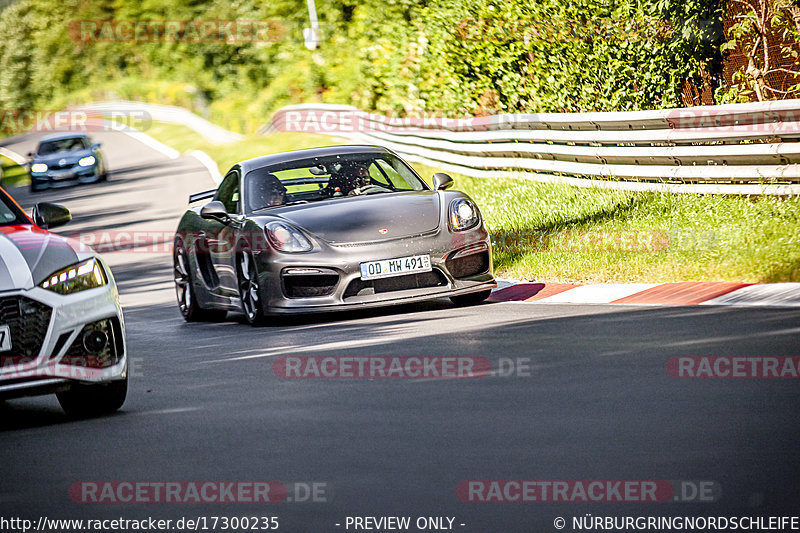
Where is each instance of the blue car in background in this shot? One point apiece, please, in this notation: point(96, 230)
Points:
point(64, 158)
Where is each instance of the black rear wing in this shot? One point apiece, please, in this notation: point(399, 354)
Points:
point(205, 195)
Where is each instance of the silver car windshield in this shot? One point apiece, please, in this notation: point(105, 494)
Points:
point(326, 178)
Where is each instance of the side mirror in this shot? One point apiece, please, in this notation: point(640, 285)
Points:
point(442, 181)
point(31, 154)
point(95, 145)
point(215, 210)
point(47, 215)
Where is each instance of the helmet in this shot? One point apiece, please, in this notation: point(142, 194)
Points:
point(265, 190)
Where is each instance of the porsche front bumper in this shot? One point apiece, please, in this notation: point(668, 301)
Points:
point(461, 264)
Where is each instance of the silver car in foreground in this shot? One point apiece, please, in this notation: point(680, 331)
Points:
point(325, 229)
point(61, 325)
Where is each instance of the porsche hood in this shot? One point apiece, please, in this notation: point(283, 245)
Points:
point(367, 218)
point(29, 254)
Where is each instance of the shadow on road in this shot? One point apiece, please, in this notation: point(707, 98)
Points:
point(597, 400)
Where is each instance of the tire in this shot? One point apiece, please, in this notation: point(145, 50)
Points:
point(472, 298)
point(187, 302)
point(83, 401)
point(248, 288)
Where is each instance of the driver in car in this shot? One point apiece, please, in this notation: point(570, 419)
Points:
point(357, 179)
point(353, 179)
point(266, 191)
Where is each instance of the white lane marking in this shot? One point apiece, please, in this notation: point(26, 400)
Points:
point(505, 283)
point(169, 114)
point(597, 294)
point(453, 324)
point(339, 345)
point(167, 411)
point(765, 294)
point(773, 294)
point(209, 163)
point(14, 156)
point(15, 262)
point(152, 143)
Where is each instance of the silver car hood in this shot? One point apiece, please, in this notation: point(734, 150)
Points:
point(367, 218)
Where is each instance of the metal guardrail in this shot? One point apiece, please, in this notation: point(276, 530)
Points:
point(729, 149)
point(163, 113)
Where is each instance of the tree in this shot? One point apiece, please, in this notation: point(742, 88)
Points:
point(766, 33)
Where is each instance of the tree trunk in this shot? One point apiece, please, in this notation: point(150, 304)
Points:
point(794, 11)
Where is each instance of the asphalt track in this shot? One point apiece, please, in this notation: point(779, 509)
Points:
point(205, 405)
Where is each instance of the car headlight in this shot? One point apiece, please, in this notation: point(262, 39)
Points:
point(86, 161)
point(463, 215)
point(286, 238)
point(78, 277)
point(38, 167)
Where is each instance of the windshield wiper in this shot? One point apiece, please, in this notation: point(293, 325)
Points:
point(281, 205)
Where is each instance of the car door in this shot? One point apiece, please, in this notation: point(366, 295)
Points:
point(223, 239)
point(214, 243)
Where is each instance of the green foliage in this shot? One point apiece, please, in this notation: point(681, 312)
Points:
point(769, 71)
point(401, 56)
point(12, 174)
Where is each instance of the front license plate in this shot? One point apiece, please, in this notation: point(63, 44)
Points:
point(388, 268)
point(5, 339)
point(63, 175)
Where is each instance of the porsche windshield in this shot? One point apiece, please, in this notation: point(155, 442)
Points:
point(325, 178)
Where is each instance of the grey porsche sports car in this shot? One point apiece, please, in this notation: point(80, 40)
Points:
point(325, 229)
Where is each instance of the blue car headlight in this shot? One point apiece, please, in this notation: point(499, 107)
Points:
point(38, 167)
point(463, 215)
point(87, 161)
point(75, 278)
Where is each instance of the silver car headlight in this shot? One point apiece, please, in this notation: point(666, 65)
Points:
point(86, 161)
point(78, 277)
point(463, 215)
point(286, 238)
point(38, 167)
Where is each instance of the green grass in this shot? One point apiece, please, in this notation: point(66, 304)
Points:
point(12, 173)
point(589, 235)
point(553, 232)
